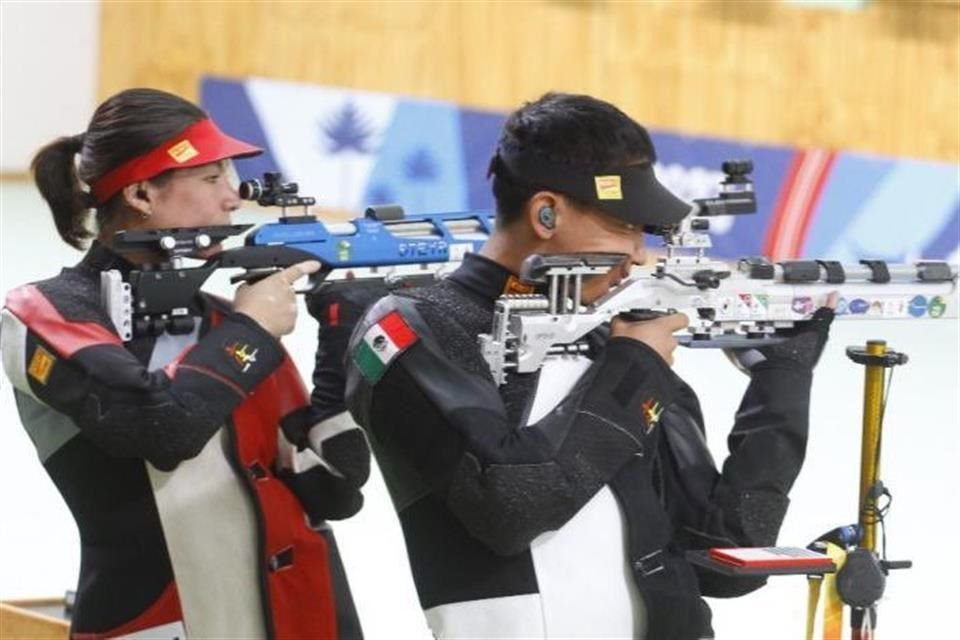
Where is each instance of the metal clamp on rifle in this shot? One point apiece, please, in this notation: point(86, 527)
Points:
point(558, 329)
point(159, 295)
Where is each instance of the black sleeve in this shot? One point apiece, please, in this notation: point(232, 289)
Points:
point(337, 308)
point(164, 416)
point(745, 504)
point(506, 483)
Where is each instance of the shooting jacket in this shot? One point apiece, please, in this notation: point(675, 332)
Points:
point(175, 455)
point(562, 503)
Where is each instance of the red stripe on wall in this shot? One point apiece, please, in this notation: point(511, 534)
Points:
point(779, 208)
point(826, 167)
point(65, 336)
point(796, 203)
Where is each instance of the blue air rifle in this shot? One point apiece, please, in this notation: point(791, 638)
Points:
point(383, 246)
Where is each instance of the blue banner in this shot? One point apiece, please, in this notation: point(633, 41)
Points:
point(352, 148)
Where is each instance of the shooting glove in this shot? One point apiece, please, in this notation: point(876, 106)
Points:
point(804, 346)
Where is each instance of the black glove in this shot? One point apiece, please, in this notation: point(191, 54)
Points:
point(323, 495)
point(328, 464)
point(803, 347)
point(337, 308)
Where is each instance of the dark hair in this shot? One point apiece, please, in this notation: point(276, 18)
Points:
point(126, 125)
point(563, 128)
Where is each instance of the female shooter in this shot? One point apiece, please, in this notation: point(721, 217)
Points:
point(169, 449)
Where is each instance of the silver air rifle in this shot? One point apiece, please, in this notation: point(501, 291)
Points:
point(748, 304)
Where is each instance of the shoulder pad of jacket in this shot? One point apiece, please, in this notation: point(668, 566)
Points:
point(31, 307)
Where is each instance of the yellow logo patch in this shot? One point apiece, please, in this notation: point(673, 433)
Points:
point(183, 151)
point(608, 187)
point(41, 364)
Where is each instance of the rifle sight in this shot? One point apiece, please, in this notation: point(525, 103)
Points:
point(272, 191)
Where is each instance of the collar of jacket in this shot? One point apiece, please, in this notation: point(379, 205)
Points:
point(100, 257)
point(488, 280)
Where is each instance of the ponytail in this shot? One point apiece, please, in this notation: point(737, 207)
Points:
point(55, 173)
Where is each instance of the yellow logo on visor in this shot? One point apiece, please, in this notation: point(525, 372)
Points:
point(183, 151)
point(608, 187)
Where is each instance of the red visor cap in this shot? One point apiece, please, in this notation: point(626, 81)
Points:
point(198, 144)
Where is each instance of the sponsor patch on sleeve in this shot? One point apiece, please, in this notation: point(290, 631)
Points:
point(651, 410)
point(383, 341)
point(243, 356)
point(41, 364)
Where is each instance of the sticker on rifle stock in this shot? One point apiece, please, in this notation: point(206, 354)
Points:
point(858, 306)
point(608, 187)
point(753, 305)
point(344, 248)
point(761, 301)
point(802, 305)
point(383, 341)
point(918, 306)
point(938, 306)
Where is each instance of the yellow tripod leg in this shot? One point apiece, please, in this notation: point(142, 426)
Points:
point(873, 391)
point(814, 582)
point(832, 604)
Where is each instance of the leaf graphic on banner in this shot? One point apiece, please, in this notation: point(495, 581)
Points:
point(420, 166)
point(348, 130)
point(381, 194)
point(347, 134)
point(421, 169)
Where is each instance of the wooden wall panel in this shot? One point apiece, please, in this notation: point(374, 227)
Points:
point(885, 79)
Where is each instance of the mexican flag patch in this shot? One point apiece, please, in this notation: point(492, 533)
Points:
point(382, 342)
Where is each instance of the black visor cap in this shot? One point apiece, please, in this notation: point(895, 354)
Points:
point(631, 193)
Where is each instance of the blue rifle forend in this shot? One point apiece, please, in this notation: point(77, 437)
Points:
point(369, 242)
